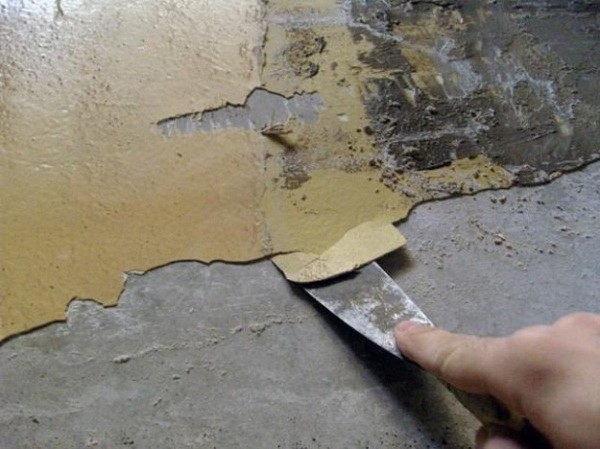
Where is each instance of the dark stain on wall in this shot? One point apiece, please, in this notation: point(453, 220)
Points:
point(516, 81)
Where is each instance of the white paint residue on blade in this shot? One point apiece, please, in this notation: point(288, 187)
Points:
point(361, 319)
point(416, 315)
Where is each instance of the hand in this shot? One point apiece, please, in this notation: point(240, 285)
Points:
point(548, 374)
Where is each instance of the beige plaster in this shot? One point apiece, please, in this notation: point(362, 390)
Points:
point(359, 246)
point(324, 208)
point(89, 190)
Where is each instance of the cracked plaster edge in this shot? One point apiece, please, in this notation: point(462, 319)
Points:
point(74, 313)
point(161, 125)
point(357, 247)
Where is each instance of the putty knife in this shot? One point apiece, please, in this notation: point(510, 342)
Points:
point(372, 303)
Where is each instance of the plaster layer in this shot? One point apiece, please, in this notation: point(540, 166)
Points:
point(89, 189)
point(357, 247)
point(403, 105)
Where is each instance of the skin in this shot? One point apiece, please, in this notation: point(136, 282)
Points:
point(549, 374)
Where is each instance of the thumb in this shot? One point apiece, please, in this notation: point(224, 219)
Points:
point(461, 360)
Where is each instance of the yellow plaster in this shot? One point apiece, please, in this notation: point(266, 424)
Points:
point(359, 246)
point(89, 189)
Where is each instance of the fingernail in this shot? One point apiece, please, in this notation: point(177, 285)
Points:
point(405, 325)
point(498, 437)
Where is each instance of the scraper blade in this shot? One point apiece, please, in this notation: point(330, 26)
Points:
point(369, 301)
point(372, 303)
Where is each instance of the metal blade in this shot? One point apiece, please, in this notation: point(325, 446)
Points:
point(371, 302)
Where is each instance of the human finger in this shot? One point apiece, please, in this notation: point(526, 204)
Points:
point(462, 360)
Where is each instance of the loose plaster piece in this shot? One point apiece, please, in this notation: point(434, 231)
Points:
point(359, 246)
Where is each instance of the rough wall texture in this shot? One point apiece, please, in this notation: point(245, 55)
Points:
point(284, 126)
point(515, 81)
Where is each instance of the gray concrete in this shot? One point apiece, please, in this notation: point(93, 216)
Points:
point(232, 356)
point(261, 110)
point(519, 86)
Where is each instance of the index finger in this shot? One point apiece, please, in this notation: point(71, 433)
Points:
point(461, 360)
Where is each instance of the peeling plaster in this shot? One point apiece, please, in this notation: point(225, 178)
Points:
point(126, 145)
point(494, 66)
point(359, 246)
point(89, 189)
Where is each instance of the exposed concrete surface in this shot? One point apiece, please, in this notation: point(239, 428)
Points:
point(232, 356)
point(495, 262)
point(260, 110)
point(515, 81)
point(221, 356)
